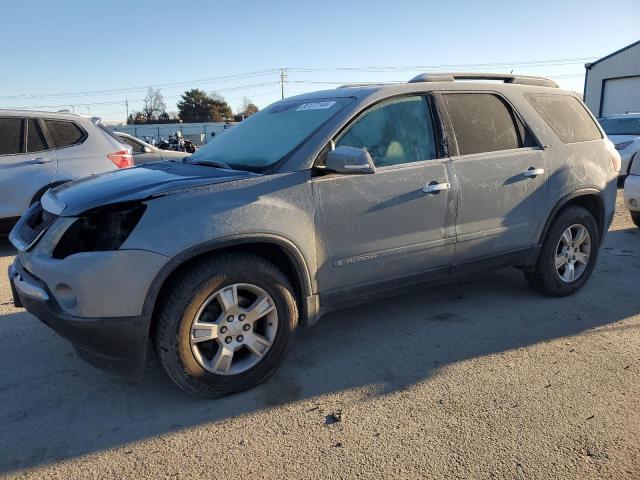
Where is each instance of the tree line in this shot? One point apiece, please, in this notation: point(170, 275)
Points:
point(195, 106)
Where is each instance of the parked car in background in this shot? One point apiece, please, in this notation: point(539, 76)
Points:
point(144, 152)
point(624, 131)
point(632, 190)
point(39, 150)
point(317, 202)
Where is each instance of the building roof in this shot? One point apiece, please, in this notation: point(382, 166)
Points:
point(589, 65)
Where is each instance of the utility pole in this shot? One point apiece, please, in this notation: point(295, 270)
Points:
point(126, 102)
point(283, 78)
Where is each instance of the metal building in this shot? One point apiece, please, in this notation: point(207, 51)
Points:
point(612, 84)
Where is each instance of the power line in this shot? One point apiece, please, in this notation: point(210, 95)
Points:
point(259, 73)
point(529, 63)
point(397, 82)
point(122, 102)
point(226, 78)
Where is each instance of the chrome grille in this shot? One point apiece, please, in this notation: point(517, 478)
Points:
point(33, 224)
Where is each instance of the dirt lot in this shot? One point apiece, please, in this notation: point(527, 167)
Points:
point(478, 379)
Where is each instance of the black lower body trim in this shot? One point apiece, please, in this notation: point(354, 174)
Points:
point(342, 298)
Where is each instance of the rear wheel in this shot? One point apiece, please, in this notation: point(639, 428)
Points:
point(635, 217)
point(568, 255)
point(226, 325)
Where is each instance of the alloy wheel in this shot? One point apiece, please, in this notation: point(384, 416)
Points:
point(572, 253)
point(234, 329)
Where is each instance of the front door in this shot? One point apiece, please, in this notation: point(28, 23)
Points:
point(392, 226)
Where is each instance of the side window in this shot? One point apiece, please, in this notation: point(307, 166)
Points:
point(64, 134)
point(35, 138)
point(484, 122)
point(12, 136)
point(394, 132)
point(567, 117)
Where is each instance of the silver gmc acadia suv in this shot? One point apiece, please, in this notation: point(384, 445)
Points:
point(317, 202)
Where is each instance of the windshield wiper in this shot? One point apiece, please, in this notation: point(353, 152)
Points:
point(208, 163)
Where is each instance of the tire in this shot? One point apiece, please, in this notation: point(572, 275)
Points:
point(194, 369)
point(545, 277)
point(635, 218)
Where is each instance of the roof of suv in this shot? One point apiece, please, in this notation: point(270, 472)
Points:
point(438, 81)
point(37, 113)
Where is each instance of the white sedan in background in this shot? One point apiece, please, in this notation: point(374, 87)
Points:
point(632, 191)
point(145, 153)
point(624, 131)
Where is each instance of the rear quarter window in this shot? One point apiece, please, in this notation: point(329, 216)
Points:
point(567, 117)
point(64, 133)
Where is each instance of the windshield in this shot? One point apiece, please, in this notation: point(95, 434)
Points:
point(269, 135)
point(621, 126)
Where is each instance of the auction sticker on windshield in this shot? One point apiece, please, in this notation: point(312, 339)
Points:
point(316, 106)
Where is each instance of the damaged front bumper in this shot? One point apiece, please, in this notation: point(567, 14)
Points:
point(118, 345)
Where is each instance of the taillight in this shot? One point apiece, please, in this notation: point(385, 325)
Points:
point(615, 156)
point(121, 159)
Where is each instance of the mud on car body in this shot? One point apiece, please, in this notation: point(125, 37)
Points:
point(317, 202)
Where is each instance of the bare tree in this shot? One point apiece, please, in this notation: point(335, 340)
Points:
point(248, 107)
point(154, 105)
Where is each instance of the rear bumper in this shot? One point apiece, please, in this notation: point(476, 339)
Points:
point(118, 345)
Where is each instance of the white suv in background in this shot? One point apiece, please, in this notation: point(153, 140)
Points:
point(632, 190)
point(624, 131)
point(39, 150)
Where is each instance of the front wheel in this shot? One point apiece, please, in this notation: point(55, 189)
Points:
point(568, 255)
point(226, 325)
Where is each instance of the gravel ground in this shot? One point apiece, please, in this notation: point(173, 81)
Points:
point(477, 379)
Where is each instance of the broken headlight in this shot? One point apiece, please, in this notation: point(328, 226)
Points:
point(100, 230)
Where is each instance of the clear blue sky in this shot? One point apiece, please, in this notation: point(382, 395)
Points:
point(51, 48)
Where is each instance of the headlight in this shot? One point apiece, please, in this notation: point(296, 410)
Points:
point(623, 145)
point(101, 230)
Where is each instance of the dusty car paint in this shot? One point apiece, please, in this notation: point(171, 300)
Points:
point(348, 235)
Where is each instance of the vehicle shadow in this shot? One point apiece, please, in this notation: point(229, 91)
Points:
point(53, 406)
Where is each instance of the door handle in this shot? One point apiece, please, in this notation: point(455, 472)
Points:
point(533, 172)
point(435, 187)
point(39, 160)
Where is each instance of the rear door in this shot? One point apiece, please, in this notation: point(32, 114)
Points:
point(501, 172)
point(27, 164)
point(78, 155)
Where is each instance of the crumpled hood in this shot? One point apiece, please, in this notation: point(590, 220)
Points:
point(145, 181)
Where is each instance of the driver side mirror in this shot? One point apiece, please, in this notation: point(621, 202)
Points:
point(349, 160)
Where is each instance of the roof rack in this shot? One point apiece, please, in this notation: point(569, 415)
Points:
point(503, 77)
point(370, 84)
